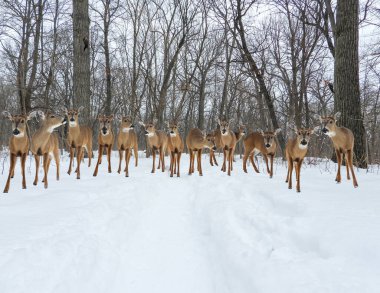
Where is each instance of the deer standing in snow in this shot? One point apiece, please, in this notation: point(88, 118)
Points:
point(157, 141)
point(228, 139)
point(79, 138)
point(196, 140)
point(175, 148)
point(296, 150)
point(127, 141)
point(105, 140)
point(343, 141)
point(260, 142)
point(18, 144)
point(45, 143)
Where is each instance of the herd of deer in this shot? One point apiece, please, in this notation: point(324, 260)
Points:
point(44, 142)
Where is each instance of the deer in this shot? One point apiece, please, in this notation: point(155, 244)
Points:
point(45, 143)
point(105, 140)
point(157, 141)
point(228, 139)
point(79, 138)
point(296, 150)
point(196, 141)
point(126, 141)
point(260, 142)
point(18, 144)
point(175, 148)
point(343, 141)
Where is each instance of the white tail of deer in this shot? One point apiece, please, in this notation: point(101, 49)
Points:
point(127, 141)
point(343, 141)
point(18, 145)
point(79, 138)
point(45, 143)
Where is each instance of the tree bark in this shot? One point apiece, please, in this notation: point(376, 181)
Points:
point(346, 75)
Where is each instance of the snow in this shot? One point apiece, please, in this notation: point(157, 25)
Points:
point(153, 233)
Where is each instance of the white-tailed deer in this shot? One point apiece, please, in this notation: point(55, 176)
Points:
point(45, 143)
point(105, 140)
point(218, 145)
point(343, 141)
point(196, 140)
point(260, 142)
point(296, 150)
point(18, 144)
point(126, 141)
point(78, 138)
point(175, 148)
point(228, 144)
point(157, 141)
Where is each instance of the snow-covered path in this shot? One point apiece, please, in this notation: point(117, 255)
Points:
point(153, 233)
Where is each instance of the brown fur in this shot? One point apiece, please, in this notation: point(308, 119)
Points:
point(18, 145)
point(296, 154)
point(256, 142)
point(79, 138)
point(228, 139)
point(157, 141)
point(126, 141)
point(196, 140)
point(45, 143)
point(175, 149)
point(343, 141)
point(105, 140)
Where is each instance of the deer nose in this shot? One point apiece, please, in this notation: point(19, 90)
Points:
point(325, 130)
point(64, 120)
point(172, 132)
point(146, 132)
point(214, 148)
point(72, 119)
point(303, 142)
point(224, 131)
point(267, 145)
point(104, 129)
point(16, 132)
point(132, 126)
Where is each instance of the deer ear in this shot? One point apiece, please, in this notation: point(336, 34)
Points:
point(64, 110)
point(337, 116)
point(204, 133)
point(41, 114)
point(7, 115)
point(31, 115)
point(260, 131)
point(219, 121)
point(277, 131)
point(111, 117)
point(118, 117)
point(155, 121)
point(142, 123)
point(295, 129)
point(80, 109)
point(168, 124)
point(231, 121)
point(318, 117)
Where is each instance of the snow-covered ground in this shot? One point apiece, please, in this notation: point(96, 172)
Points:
point(151, 233)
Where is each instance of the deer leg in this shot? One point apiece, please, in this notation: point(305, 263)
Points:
point(89, 153)
point(178, 161)
point(162, 154)
point(350, 159)
point(99, 160)
point(136, 153)
point(109, 150)
point(46, 162)
point(271, 166)
point(266, 162)
point(171, 163)
point(37, 160)
point(175, 155)
point(154, 160)
point(48, 166)
point(57, 162)
point(71, 159)
point(80, 152)
point(127, 158)
point(214, 158)
point(230, 158)
point(11, 171)
point(251, 159)
point(290, 171)
point(23, 160)
point(224, 160)
point(298, 168)
point(211, 161)
point(339, 160)
point(245, 158)
point(159, 160)
point(200, 162)
point(347, 166)
point(120, 159)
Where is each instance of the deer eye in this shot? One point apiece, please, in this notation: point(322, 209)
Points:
point(308, 133)
point(331, 122)
point(22, 121)
point(299, 133)
point(52, 116)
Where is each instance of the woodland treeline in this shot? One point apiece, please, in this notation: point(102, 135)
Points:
point(267, 64)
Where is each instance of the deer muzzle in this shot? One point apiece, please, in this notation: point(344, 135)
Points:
point(16, 131)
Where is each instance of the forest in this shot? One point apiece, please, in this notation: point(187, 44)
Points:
point(266, 64)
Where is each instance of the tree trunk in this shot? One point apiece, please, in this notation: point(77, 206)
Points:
point(346, 75)
point(81, 74)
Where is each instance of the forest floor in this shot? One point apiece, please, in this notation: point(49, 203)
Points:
point(151, 233)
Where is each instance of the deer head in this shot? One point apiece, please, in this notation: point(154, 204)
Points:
point(269, 137)
point(105, 123)
point(173, 129)
point(329, 123)
point(19, 122)
point(303, 136)
point(126, 123)
point(224, 126)
point(72, 116)
point(150, 128)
